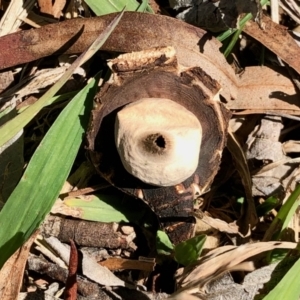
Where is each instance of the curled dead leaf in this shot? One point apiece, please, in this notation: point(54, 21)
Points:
point(193, 45)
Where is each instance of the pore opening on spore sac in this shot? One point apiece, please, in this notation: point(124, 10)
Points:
point(155, 143)
point(160, 142)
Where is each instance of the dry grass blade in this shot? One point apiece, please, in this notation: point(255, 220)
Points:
point(12, 19)
point(276, 164)
point(292, 9)
point(215, 262)
point(239, 157)
point(242, 167)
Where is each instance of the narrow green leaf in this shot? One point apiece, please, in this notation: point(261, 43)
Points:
point(12, 127)
point(288, 209)
point(106, 207)
point(101, 8)
point(189, 251)
point(110, 6)
point(45, 175)
point(144, 7)
point(233, 41)
point(288, 287)
point(11, 159)
point(267, 206)
point(3, 113)
point(280, 223)
point(224, 35)
point(163, 243)
point(284, 216)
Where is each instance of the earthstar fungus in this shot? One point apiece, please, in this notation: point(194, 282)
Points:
point(158, 133)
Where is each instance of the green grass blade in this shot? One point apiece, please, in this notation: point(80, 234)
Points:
point(106, 7)
point(224, 35)
point(144, 7)
point(230, 31)
point(106, 207)
point(110, 6)
point(288, 287)
point(110, 206)
point(45, 175)
point(284, 216)
point(12, 127)
point(267, 206)
point(233, 41)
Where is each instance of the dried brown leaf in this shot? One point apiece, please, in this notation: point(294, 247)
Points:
point(6, 79)
point(194, 48)
point(277, 39)
point(147, 30)
point(57, 8)
point(127, 264)
point(263, 89)
point(45, 6)
point(221, 225)
point(11, 274)
point(53, 8)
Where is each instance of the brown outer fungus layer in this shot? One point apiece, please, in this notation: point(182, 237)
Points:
point(174, 204)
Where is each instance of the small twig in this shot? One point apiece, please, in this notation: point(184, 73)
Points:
point(71, 283)
point(276, 164)
point(85, 287)
point(30, 22)
point(85, 191)
point(266, 112)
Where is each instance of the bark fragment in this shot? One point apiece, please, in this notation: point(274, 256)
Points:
point(86, 233)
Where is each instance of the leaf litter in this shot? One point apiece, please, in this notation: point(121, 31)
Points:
point(263, 148)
